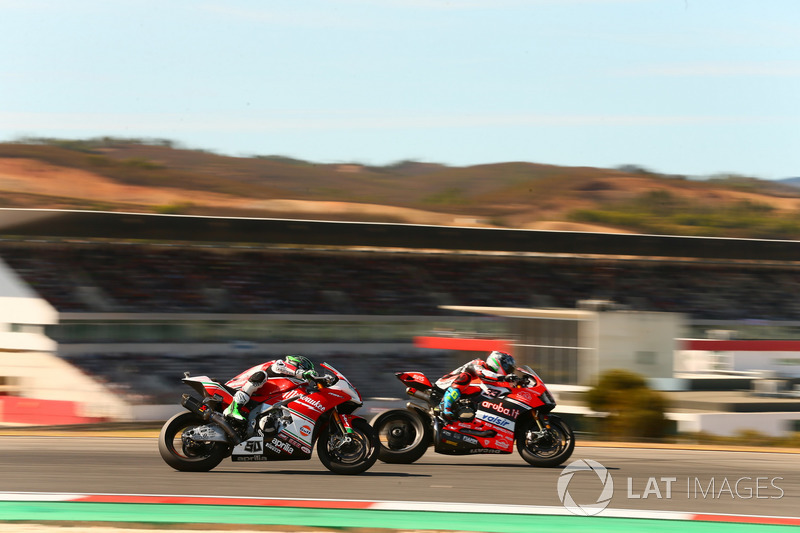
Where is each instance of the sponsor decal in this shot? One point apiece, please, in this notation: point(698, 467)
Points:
point(471, 440)
point(251, 446)
point(250, 458)
point(293, 442)
point(498, 407)
point(269, 446)
point(305, 449)
point(451, 443)
point(305, 431)
point(503, 444)
point(315, 405)
point(291, 394)
point(484, 450)
point(285, 446)
point(524, 395)
point(493, 419)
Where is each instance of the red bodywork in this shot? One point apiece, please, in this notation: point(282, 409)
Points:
point(498, 406)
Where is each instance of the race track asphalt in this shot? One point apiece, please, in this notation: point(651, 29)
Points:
point(689, 480)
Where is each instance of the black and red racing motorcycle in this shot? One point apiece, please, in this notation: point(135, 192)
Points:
point(490, 418)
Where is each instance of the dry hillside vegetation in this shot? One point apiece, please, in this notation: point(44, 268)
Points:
point(141, 177)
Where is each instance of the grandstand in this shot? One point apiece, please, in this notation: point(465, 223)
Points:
point(136, 304)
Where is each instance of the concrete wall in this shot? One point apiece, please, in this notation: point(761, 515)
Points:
point(730, 424)
point(641, 342)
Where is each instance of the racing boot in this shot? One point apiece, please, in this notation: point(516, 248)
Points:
point(232, 412)
point(449, 403)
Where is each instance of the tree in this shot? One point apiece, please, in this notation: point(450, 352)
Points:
point(633, 410)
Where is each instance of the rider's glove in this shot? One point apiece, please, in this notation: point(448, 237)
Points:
point(309, 374)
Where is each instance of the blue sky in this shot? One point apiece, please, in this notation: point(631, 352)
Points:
point(695, 87)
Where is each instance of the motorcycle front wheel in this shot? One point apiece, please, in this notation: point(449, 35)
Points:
point(352, 453)
point(403, 436)
point(184, 454)
point(547, 448)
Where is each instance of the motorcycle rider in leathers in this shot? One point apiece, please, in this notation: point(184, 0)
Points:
point(498, 368)
point(292, 366)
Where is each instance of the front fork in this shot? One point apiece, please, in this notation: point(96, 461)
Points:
point(543, 422)
point(345, 427)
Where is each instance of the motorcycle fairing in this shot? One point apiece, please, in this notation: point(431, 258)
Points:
point(260, 448)
point(278, 389)
point(491, 431)
point(491, 391)
point(313, 405)
point(416, 380)
point(527, 397)
point(207, 386)
point(462, 438)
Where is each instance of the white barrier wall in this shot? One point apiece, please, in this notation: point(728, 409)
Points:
point(45, 376)
point(780, 358)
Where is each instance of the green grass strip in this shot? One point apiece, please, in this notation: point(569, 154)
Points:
point(41, 512)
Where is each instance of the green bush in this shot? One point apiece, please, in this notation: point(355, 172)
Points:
point(633, 410)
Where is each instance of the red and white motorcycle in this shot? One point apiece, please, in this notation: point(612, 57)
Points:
point(285, 418)
point(491, 417)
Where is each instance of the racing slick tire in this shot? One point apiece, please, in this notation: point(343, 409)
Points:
point(403, 436)
point(545, 450)
point(188, 456)
point(352, 457)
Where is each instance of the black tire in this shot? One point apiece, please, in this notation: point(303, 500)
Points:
point(354, 457)
point(403, 436)
point(191, 456)
point(548, 450)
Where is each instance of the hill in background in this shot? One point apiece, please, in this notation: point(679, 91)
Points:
point(158, 177)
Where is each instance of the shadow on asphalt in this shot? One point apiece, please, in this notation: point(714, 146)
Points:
point(319, 473)
point(504, 465)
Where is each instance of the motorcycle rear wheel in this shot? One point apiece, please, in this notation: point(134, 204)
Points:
point(189, 456)
point(352, 457)
point(403, 435)
point(548, 450)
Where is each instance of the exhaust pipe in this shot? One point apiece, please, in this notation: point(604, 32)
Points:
point(221, 422)
point(204, 411)
point(422, 395)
